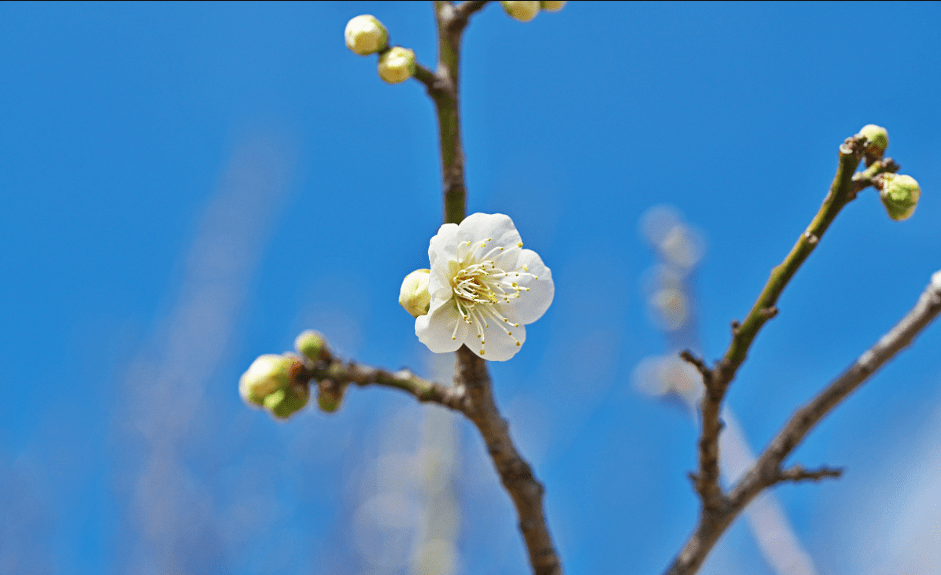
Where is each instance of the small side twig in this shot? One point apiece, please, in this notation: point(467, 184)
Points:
point(797, 473)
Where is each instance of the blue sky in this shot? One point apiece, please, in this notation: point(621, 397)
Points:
point(188, 186)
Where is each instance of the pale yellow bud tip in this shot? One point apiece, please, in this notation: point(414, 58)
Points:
point(522, 11)
point(877, 135)
point(366, 35)
point(397, 65)
point(414, 296)
point(311, 345)
point(551, 6)
point(268, 374)
point(900, 196)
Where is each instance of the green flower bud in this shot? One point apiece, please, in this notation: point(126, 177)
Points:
point(397, 65)
point(413, 295)
point(329, 395)
point(551, 6)
point(286, 402)
point(311, 345)
point(522, 11)
point(365, 35)
point(878, 137)
point(268, 374)
point(899, 195)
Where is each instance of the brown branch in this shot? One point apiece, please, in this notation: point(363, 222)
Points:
point(767, 469)
point(797, 473)
point(515, 474)
point(464, 10)
point(472, 396)
point(716, 380)
point(341, 374)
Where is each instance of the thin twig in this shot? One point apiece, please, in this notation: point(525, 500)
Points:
point(717, 380)
point(797, 473)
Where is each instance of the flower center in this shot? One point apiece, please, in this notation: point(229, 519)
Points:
point(480, 287)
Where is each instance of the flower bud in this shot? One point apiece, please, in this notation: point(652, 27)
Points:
point(268, 374)
point(311, 345)
point(551, 6)
point(522, 11)
point(286, 402)
point(397, 65)
point(413, 295)
point(329, 395)
point(365, 35)
point(899, 195)
point(877, 135)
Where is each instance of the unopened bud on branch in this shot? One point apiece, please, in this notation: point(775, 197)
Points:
point(329, 395)
point(413, 295)
point(311, 345)
point(899, 195)
point(877, 135)
point(397, 65)
point(878, 141)
point(522, 11)
point(268, 374)
point(551, 6)
point(365, 35)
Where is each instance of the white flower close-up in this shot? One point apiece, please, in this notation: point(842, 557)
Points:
point(484, 288)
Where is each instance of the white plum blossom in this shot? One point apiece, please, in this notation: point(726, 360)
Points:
point(484, 288)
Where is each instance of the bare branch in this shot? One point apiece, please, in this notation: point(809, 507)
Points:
point(767, 470)
point(341, 374)
point(717, 379)
point(805, 418)
point(465, 10)
point(515, 474)
point(797, 473)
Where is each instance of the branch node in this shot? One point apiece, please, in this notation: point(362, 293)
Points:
point(769, 312)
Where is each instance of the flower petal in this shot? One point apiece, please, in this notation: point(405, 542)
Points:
point(441, 251)
point(499, 227)
point(435, 328)
point(498, 344)
point(532, 304)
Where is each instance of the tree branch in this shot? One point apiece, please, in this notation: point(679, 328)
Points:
point(767, 469)
point(797, 474)
point(717, 379)
point(515, 474)
point(342, 374)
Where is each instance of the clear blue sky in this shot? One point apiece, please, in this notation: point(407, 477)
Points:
point(187, 186)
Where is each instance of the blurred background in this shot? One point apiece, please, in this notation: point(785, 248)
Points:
point(187, 186)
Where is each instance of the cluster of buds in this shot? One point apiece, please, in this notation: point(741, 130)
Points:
point(899, 193)
point(280, 384)
point(366, 35)
point(526, 11)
